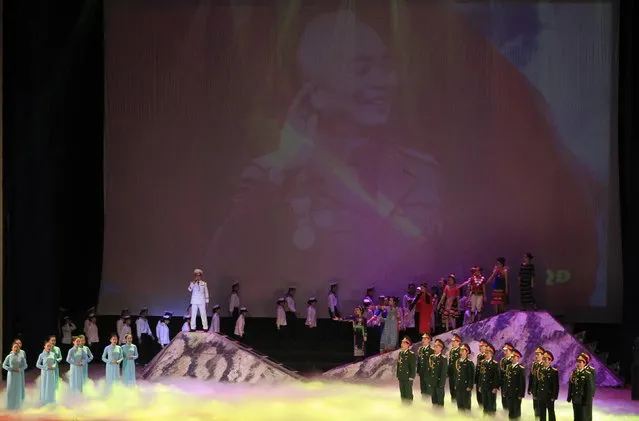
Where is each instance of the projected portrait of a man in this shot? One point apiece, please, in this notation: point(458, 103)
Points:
point(405, 156)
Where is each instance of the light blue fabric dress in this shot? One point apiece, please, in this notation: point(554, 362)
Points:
point(48, 377)
point(76, 356)
point(15, 379)
point(24, 380)
point(112, 353)
point(390, 333)
point(130, 353)
point(89, 359)
point(58, 359)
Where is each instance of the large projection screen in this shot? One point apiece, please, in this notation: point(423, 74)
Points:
point(369, 142)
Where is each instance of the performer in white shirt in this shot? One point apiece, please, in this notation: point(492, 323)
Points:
point(162, 329)
point(120, 322)
point(240, 323)
point(90, 311)
point(186, 326)
point(311, 313)
point(408, 312)
point(234, 300)
point(91, 331)
point(199, 299)
point(67, 334)
point(215, 319)
point(144, 335)
point(333, 303)
point(125, 329)
point(280, 319)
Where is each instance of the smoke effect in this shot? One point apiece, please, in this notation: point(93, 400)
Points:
point(187, 399)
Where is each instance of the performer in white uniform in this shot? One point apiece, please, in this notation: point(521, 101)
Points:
point(215, 320)
point(199, 299)
point(145, 336)
point(162, 329)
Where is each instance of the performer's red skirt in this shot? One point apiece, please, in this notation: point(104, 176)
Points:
point(498, 297)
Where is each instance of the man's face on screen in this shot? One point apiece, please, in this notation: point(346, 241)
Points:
point(357, 79)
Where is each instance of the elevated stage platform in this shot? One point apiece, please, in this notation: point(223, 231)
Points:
point(525, 330)
point(213, 357)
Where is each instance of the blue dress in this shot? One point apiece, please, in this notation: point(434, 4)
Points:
point(48, 376)
point(15, 379)
point(58, 358)
point(112, 353)
point(390, 332)
point(77, 358)
point(130, 353)
point(89, 359)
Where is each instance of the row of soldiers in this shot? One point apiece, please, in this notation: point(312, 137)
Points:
point(489, 377)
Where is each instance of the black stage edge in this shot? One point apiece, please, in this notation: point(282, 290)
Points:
point(53, 142)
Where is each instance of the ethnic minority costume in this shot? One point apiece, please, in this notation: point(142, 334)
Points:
point(423, 369)
point(406, 368)
point(476, 284)
point(390, 331)
point(547, 390)
point(526, 276)
point(515, 389)
point(450, 312)
point(464, 381)
point(359, 337)
point(499, 289)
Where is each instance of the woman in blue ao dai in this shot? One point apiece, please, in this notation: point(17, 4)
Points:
point(18, 342)
point(130, 354)
point(112, 357)
point(77, 359)
point(48, 364)
point(89, 356)
point(58, 358)
point(15, 364)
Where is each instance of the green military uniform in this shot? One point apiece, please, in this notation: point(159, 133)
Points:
point(423, 368)
point(464, 380)
point(489, 379)
point(406, 367)
point(504, 367)
point(480, 360)
point(515, 390)
point(593, 373)
point(453, 357)
point(580, 392)
point(438, 371)
point(546, 392)
point(532, 379)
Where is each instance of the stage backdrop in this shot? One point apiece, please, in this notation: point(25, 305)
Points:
point(279, 143)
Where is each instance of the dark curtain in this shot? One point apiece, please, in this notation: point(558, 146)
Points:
point(53, 138)
point(628, 179)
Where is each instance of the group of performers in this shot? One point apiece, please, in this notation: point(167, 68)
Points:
point(119, 361)
point(489, 377)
